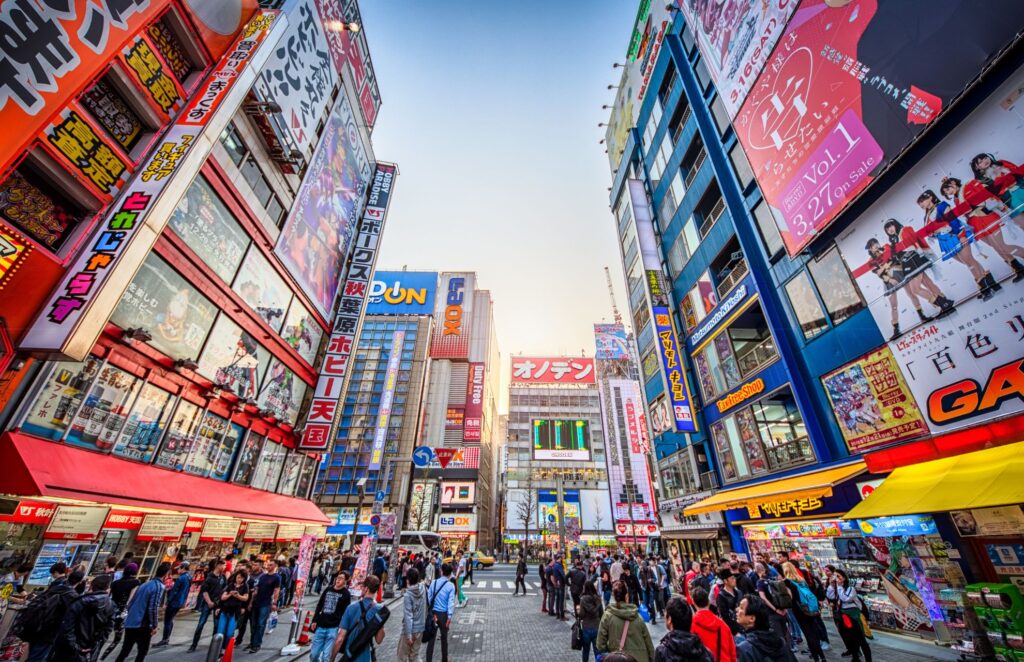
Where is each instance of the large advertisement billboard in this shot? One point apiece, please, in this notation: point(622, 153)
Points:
point(939, 259)
point(474, 413)
point(552, 370)
point(387, 397)
point(611, 342)
point(561, 440)
point(402, 293)
point(848, 87)
point(349, 47)
point(629, 479)
point(452, 313)
point(318, 233)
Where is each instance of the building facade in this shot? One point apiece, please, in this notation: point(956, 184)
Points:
point(842, 321)
point(169, 277)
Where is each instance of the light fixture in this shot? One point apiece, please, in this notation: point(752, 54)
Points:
point(600, 124)
point(613, 87)
point(605, 107)
point(616, 65)
point(185, 364)
point(342, 26)
point(136, 333)
point(222, 388)
point(601, 142)
point(671, 7)
point(262, 107)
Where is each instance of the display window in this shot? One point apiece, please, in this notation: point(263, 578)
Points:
point(271, 463)
point(146, 423)
point(248, 456)
point(214, 447)
point(233, 359)
point(206, 225)
point(302, 331)
point(36, 208)
point(180, 437)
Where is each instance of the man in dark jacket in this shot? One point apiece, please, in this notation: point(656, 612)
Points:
point(758, 641)
point(632, 583)
point(87, 623)
point(577, 578)
point(543, 572)
point(648, 587)
point(680, 645)
point(556, 579)
point(521, 575)
point(175, 600)
point(55, 599)
point(209, 596)
point(728, 599)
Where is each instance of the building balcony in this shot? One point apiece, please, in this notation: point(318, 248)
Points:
point(692, 170)
point(731, 278)
point(757, 356)
point(712, 217)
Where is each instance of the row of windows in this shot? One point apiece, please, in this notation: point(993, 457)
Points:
point(246, 162)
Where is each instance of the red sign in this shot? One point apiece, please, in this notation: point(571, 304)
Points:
point(194, 525)
point(125, 520)
point(31, 512)
point(553, 370)
point(474, 415)
point(445, 455)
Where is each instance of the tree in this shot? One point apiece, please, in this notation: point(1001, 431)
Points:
point(598, 518)
point(422, 511)
point(526, 510)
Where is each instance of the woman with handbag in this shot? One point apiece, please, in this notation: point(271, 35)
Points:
point(588, 619)
point(622, 629)
point(851, 629)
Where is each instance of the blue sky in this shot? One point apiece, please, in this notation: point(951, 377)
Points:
point(491, 110)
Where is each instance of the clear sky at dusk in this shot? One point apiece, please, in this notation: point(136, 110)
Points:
point(491, 110)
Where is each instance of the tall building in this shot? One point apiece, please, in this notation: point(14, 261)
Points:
point(556, 441)
point(818, 222)
point(171, 260)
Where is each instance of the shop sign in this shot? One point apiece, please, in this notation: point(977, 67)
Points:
point(289, 532)
point(76, 523)
point(386, 527)
point(639, 530)
point(85, 150)
point(743, 393)
point(351, 49)
point(454, 418)
point(31, 512)
point(678, 390)
point(402, 293)
point(737, 297)
point(387, 398)
point(125, 520)
point(763, 532)
point(194, 525)
point(452, 311)
point(458, 522)
point(474, 403)
point(903, 525)
point(323, 407)
point(1008, 560)
point(13, 249)
point(867, 487)
point(70, 321)
point(259, 531)
point(553, 370)
point(161, 528)
point(785, 507)
point(220, 530)
point(318, 531)
point(817, 529)
point(1002, 521)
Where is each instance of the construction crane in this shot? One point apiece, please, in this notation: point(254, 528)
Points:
point(611, 295)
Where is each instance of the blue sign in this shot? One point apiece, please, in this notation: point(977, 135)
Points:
point(380, 496)
point(423, 456)
point(374, 520)
point(678, 390)
point(611, 341)
point(402, 293)
point(903, 525)
point(721, 312)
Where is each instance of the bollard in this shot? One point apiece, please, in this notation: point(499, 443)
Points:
point(215, 645)
point(293, 647)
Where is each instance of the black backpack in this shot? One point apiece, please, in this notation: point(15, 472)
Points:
point(430, 627)
point(41, 618)
point(364, 631)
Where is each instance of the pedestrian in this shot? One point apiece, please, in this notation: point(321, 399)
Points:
point(460, 576)
point(334, 600)
point(380, 571)
point(359, 615)
point(818, 589)
point(441, 607)
point(316, 573)
point(680, 644)
point(606, 583)
point(632, 584)
point(616, 568)
point(805, 608)
point(589, 611)
point(254, 569)
point(209, 594)
point(776, 596)
point(231, 606)
point(711, 629)
point(285, 573)
point(577, 578)
point(429, 569)
point(543, 572)
point(87, 623)
point(176, 598)
point(648, 586)
point(141, 622)
point(851, 625)
point(469, 568)
point(39, 623)
point(729, 597)
point(348, 562)
point(264, 603)
point(120, 592)
point(758, 641)
point(520, 575)
point(622, 629)
point(556, 577)
point(414, 618)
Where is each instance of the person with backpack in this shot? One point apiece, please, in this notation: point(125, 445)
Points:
point(577, 578)
point(814, 583)
point(440, 609)
point(776, 596)
point(606, 583)
point(141, 622)
point(805, 609)
point(87, 623)
point(176, 597)
point(680, 644)
point(622, 629)
point(711, 629)
point(380, 571)
point(39, 623)
point(209, 594)
point(414, 618)
point(120, 592)
point(728, 599)
point(759, 643)
point(358, 617)
point(333, 602)
point(589, 613)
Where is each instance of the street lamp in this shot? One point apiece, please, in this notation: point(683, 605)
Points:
point(355, 525)
point(342, 26)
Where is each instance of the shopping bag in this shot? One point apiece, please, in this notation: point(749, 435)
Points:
point(576, 638)
point(272, 622)
point(645, 613)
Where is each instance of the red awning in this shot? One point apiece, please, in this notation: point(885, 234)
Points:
point(35, 467)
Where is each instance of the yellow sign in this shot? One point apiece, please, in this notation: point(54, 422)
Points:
point(785, 507)
point(745, 392)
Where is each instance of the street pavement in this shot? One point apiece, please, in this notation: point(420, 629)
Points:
point(494, 626)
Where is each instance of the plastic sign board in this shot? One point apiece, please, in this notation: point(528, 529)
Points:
point(220, 530)
point(553, 370)
point(445, 455)
point(464, 523)
point(76, 523)
point(402, 293)
point(473, 416)
point(162, 528)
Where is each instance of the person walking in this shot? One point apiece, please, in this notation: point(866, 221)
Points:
point(176, 598)
point(851, 627)
point(39, 624)
point(87, 623)
point(520, 574)
point(414, 617)
point(818, 589)
point(758, 641)
point(209, 594)
point(141, 622)
point(254, 569)
point(577, 578)
point(285, 572)
point(380, 571)
point(711, 629)
point(777, 597)
point(120, 592)
point(334, 600)
point(648, 585)
point(622, 629)
point(543, 572)
point(460, 576)
point(728, 599)
point(469, 568)
point(606, 582)
point(264, 602)
point(632, 584)
point(441, 607)
point(589, 611)
point(232, 606)
point(356, 617)
point(680, 644)
point(805, 609)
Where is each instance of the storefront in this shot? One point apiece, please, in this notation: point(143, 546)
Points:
point(686, 538)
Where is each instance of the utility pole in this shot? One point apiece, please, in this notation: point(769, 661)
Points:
point(561, 512)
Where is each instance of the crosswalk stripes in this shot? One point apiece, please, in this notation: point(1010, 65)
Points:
point(497, 584)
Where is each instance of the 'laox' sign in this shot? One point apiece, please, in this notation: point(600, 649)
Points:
point(458, 523)
point(453, 311)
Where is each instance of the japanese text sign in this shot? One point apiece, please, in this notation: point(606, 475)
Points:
point(387, 397)
point(348, 47)
point(161, 528)
point(473, 417)
point(553, 370)
point(671, 361)
point(76, 522)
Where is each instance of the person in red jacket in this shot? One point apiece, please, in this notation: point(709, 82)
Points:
point(711, 629)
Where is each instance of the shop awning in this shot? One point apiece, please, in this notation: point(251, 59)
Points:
point(982, 479)
point(693, 534)
point(34, 467)
point(813, 484)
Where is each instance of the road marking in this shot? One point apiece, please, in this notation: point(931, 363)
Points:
point(510, 584)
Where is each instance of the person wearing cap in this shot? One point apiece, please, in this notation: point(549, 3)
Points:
point(176, 598)
point(728, 599)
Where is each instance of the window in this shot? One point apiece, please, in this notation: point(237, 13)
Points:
point(806, 306)
point(660, 161)
point(740, 165)
point(270, 465)
point(703, 76)
point(688, 41)
point(673, 196)
point(252, 173)
point(214, 447)
point(112, 111)
point(693, 159)
point(837, 289)
point(717, 368)
point(699, 301)
point(31, 204)
point(145, 424)
point(769, 230)
point(652, 126)
point(248, 456)
point(180, 436)
point(720, 115)
point(678, 121)
point(667, 83)
point(677, 256)
point(204, 222)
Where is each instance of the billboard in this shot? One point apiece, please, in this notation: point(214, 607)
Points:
point(938, 259)
point(611, 342)
point(653, 21)
point(457, 522)
point(678, 392)
point(316, 237)
point(458, 494)
point(848, 87)
point(561, 440)
point(872, 403)
point(386, 399)
point(233, 359)
point(547, 507)
point(629, 480)
point(348, 47)
point(735, 39)
point(334, 364)
point(452, 313)
point(402, 293)
point(474, 413)
point(281, 393)
point(552, 370)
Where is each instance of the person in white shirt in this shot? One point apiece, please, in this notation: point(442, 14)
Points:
point(616, 569)
point(460, 576)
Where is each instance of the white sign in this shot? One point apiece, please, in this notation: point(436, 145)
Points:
point(76, 522)
point(288, 532)
point(462, 522)
point(259, 531)
point(220, 530)
point(162, 528)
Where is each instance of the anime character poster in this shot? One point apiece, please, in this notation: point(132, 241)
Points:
point(233, 359)
point(301, 331)
point(848, 86)
point(321, 223)
point(939, 260)
point(282, 392)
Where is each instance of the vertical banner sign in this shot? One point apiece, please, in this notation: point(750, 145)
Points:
point(76, 308)
point(474, 415)
point(349, 47)
point(307, 544)
point(452, 314)
point(323, 408)
point(671, 361)
point(380, 435)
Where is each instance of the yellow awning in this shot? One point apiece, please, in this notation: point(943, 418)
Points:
point(810, 485)
point(982, 479)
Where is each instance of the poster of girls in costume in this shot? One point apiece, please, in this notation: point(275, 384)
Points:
point(939, 259)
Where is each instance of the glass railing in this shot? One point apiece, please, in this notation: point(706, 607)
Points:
point(761, 354)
